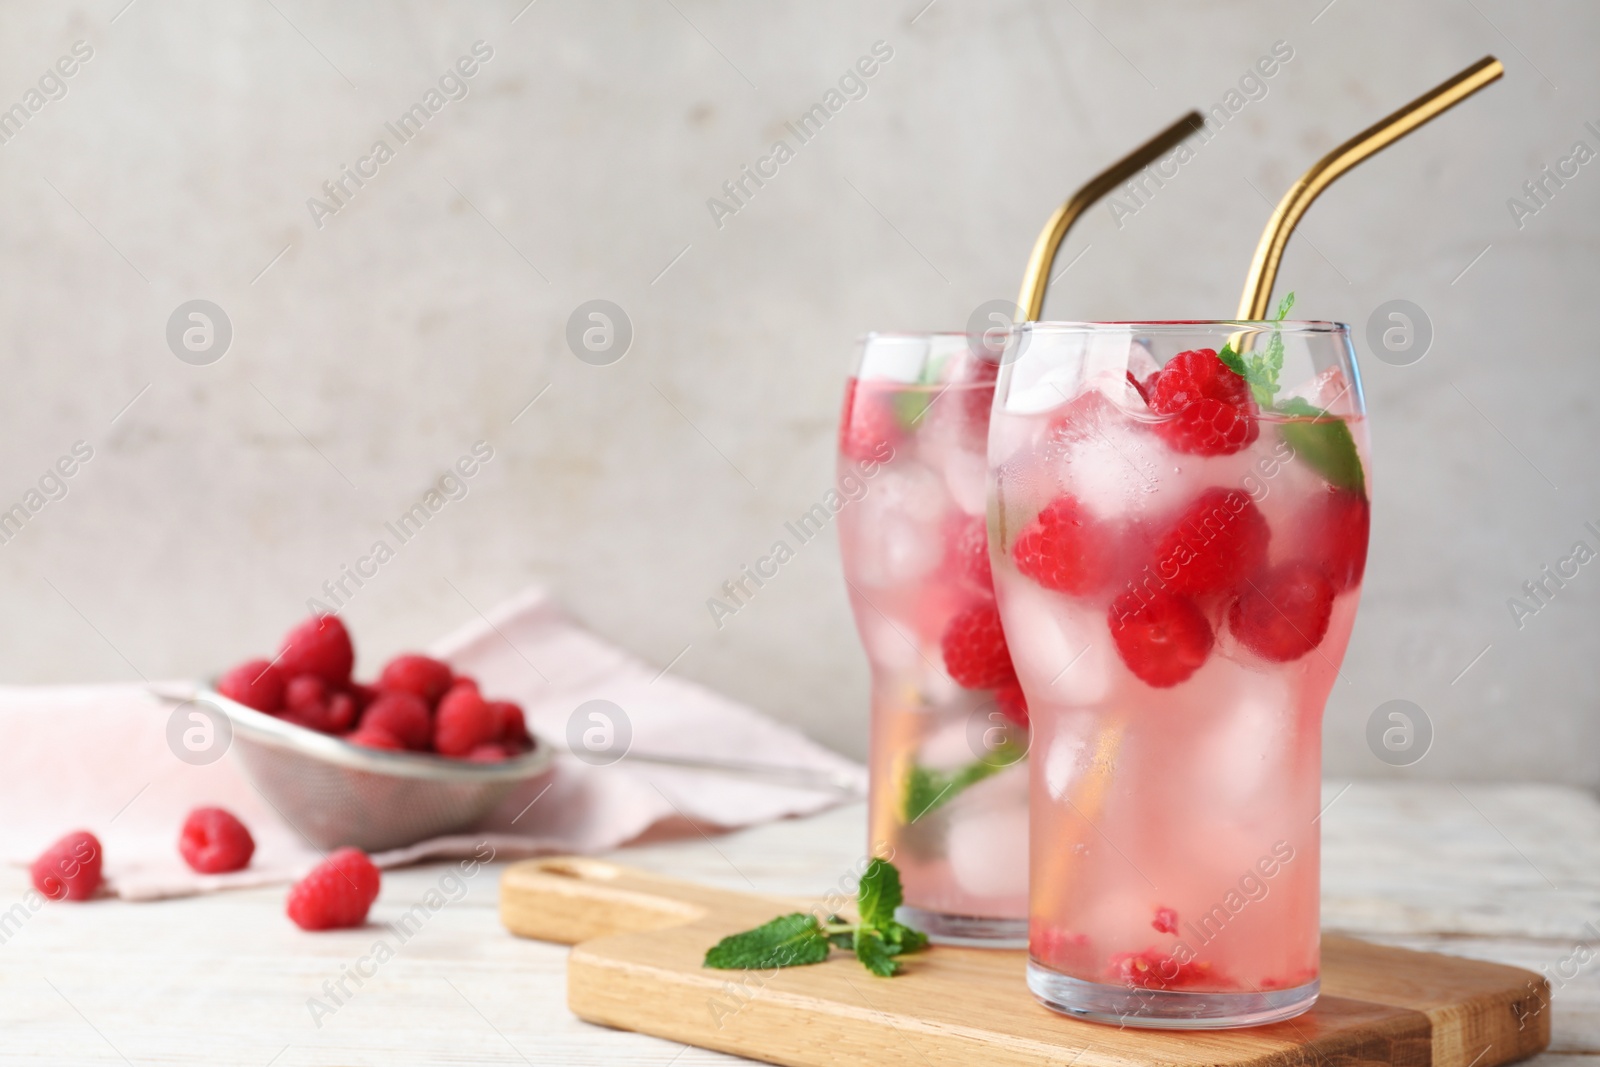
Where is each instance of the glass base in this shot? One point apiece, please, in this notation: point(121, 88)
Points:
point(1163, 1009)
point(970, 931)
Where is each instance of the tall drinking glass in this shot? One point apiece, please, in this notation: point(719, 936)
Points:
point(1178, 525)
point(949, 800)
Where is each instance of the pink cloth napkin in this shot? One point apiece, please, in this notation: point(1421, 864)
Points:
point(96, 758)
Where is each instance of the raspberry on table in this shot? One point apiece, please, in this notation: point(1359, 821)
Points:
point(321, 646)
point(1334, 532)
point(869, 428)
point(1162, 637)
point(417, 674)
point(974, 647)
point(70, 868)
point(338, 892)
point(463, 722)
point(1216, 541)
point(1211, 412)
point(214, 841)
point(401, 715)
point(256, 684)
point(1067, 549)
point(1284, 613)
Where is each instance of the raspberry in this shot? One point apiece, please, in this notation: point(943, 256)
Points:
point(869, 427)
point(1067, 549)
point(363, 695)
point(309, 703)
point(1219, 538)
point(974, 647)
point(1012, 704)
point(1284, 613)
point(319, 646)
point(70, 868)
point(1195, 375)
point(1334, 533)
point(1210, 428)
point(967, 551)
point(305, 694)
point(338, 892)
point(1163, 639)
point(255, 684)
point(510, 726)
point(488, 752)
point(1210, 408)
point(1153, 969)
point(463, 723)
point(1166, 921)
point(401, 715)
point(419, 675)
point(214, 842)
point(375, 737)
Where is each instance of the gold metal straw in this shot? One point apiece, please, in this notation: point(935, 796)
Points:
point(1037, 277)
point(1264, 268)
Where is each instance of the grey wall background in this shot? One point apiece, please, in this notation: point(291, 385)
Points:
point(431, 309)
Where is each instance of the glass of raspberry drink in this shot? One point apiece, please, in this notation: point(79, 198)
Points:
point(949, 786)
point(1178, 545)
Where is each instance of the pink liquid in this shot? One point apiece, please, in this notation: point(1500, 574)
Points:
point(915, 556)
point(1174, 833)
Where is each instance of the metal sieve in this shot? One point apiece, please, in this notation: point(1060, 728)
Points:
point(335, 793)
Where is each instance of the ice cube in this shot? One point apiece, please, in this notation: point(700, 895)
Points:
point(1329, 390)
point(900, 527)
point(1058, 643)
point(1141, 361)
point(1109, 461)
point(987, 843)
point(966, 476)
point(1071, 750)
point(1242, 752)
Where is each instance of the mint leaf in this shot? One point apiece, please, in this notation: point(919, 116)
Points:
point(874, 954)
point(927, 790)
point(787, 941)
point(902, 938)
point(1324, 442)
point(1232, 359)
point(878, 894)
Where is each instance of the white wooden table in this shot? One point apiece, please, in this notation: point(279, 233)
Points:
point(1507, 873)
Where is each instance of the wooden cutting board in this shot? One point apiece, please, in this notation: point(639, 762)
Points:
point(639, 938)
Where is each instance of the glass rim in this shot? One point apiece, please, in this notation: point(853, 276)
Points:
point(912, 335)
point(1302, 326)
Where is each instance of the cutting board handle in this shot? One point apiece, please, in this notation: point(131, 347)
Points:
point(567, 899)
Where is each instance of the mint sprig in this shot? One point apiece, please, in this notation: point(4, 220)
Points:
point(800, 938)
point(927, 790)
point(1324, 441)
point(1261, 369)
